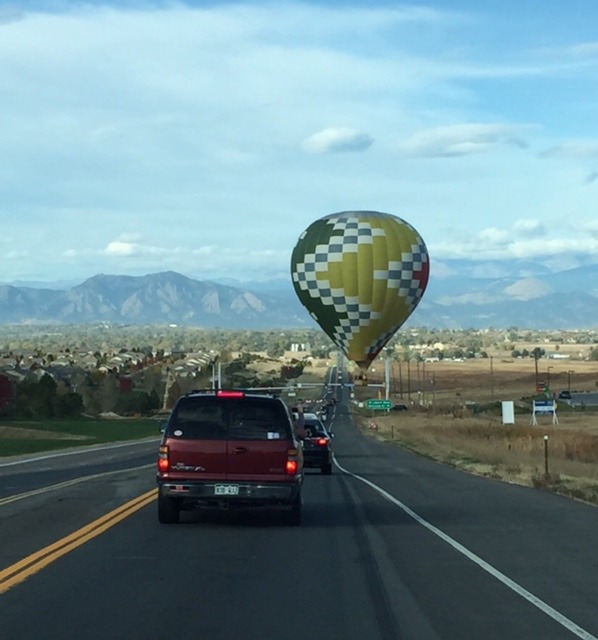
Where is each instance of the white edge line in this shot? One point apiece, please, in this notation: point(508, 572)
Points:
point(66, 483)
point(78, 450)
point(495, 573)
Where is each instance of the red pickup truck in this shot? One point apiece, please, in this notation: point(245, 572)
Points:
point(229, 449)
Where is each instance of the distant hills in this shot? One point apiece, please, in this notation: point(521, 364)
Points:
point(461, 294)
point(159, 298)
point(480, 294)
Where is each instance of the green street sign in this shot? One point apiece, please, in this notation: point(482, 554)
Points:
point(384, 405)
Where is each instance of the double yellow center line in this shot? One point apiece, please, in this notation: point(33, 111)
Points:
point(30, 565)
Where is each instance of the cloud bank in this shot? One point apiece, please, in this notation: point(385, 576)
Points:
point(205, 137)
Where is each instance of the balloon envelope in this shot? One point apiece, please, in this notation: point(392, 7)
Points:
point(360, 274)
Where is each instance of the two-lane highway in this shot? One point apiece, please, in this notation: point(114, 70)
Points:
point(394, 546)
point(24, 474)
point(45, 497)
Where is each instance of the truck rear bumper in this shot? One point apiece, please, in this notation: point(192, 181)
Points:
point(248, 493)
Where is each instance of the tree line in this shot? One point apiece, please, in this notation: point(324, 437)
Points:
point(155, 388)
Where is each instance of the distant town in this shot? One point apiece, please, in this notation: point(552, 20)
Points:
point(56, 371)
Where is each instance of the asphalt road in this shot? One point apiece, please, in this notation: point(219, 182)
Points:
point(27, 473)
point(588, 399)
point(394, 547)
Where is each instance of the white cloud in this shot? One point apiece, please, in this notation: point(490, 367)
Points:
point(461, 140)
point(527, 289)
point(544, 249)
point(585, 49)
point(439, 269)
point(121, 248)
point(338, 140)
point(468, 298)
point(529, 228)
point(573, 149)
point(494, 237)
point(576, 150)
point(205, 252)
point(144, 136)
point(207, 262)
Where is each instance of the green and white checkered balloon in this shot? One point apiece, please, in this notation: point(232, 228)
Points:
point(360, 274)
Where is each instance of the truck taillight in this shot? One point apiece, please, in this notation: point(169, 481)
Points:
point(163, 459)
point(292, 467)
point(292, 462)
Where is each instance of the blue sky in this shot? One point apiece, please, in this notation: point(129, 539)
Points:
point(204, 137)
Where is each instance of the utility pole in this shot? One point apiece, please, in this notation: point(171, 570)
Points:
point(387, 373)
point(400, 379)
point(215, 374)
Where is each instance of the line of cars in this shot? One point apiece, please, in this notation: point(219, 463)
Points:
point(225, 449)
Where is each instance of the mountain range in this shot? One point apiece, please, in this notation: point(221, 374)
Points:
point(461, 294)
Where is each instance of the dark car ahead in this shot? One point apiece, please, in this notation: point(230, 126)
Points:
point(229, 449)
point(317, 444)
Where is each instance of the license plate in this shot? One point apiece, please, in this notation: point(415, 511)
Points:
point(226, 490)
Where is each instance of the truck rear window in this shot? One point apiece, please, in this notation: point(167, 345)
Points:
point(258, 420)
point(210, 418)
point(198, 419)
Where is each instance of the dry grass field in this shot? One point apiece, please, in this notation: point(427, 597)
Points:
point(455, 417)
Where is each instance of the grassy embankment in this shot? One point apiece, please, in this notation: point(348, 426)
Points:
point(23, 437)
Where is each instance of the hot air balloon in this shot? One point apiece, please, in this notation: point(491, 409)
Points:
point(360, 274)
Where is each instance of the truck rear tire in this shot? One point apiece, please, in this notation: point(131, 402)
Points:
point(168, 510)
point(292, 516)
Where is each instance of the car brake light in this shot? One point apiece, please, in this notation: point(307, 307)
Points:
point(322, 441)
point(163, 459)
point(292, 462)
point(230, 394)
point(292, 467)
